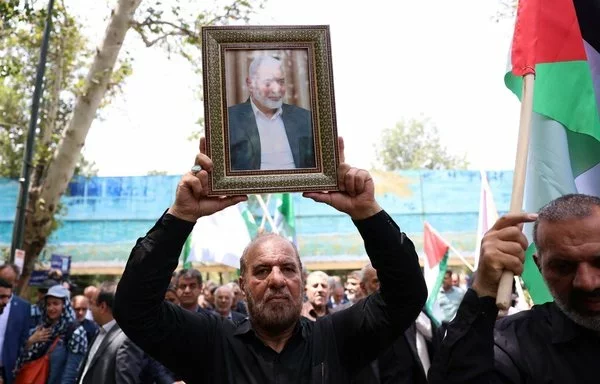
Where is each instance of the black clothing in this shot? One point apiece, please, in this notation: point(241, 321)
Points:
point(202, 348)
point(154, 372)
point(400, 363)
point(540, 345)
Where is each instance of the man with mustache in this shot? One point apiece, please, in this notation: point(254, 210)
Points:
point(275, 344)
point(264, 132)
point(556, 342)
point(317, 295)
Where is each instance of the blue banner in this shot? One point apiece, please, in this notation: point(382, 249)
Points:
point(37, 278)
point(62, 263)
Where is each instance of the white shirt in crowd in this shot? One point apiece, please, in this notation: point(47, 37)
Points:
point(103, 330)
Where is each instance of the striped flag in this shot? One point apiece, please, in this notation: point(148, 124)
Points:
point(559, 41)
point(488, 214)
point(435, 265)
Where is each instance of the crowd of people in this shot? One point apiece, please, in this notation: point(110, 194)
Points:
point(85, 343)
point(280, 324)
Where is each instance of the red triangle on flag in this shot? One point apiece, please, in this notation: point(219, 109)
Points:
point(435, 247)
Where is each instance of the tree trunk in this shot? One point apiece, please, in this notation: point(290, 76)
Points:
point(44, 199)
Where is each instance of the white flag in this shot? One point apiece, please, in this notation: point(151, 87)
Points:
point(220, 238)
point(487, 214)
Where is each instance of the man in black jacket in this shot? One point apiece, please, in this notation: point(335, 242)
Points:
point(275, 345)
point(556, 342)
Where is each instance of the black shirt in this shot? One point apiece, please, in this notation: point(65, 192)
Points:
point(540, 345)
point(206, 349)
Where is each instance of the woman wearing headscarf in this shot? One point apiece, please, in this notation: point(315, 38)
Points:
point(58, 324)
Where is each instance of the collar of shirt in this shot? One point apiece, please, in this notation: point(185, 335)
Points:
point(244, 327)
point(260, 113)
point(108, 326)
point(563, 328)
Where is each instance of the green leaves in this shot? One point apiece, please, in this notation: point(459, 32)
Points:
point(69, 57)
point(415, 144)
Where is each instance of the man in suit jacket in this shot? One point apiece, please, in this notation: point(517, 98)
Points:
point(112, 358)
point(15, 321)
point(81, 306)
point(265, 133)
point(223, 299)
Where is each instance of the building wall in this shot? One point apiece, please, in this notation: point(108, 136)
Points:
point(104, 216)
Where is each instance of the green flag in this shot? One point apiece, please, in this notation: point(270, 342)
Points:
point(285, 219)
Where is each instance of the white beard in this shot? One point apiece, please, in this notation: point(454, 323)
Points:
point(271, 104)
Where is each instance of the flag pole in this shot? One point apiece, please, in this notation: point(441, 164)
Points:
point(266, 213)
point(503, 298)
point(461, 257)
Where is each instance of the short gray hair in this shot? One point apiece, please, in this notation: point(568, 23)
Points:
point(258, 61)
point(227, 287)
point(571, 206)
point(318, 274)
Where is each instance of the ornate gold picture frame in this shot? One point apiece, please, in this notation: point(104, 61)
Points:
point(269, 109)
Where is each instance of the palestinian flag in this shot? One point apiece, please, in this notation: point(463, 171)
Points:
point(559, 41)
point(435, 265)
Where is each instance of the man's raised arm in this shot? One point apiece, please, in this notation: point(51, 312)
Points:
point(162, 329)
point(374, 323)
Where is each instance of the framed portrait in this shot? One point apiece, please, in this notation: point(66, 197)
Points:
point(269, 109)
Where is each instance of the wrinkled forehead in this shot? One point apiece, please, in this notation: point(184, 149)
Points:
point(273, 251)
point(570, 237)
point(317, 279)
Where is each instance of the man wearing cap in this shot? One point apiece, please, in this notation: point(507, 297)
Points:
point(16, 317)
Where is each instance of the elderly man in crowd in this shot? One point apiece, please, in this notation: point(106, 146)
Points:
point(317, 295)
point(223, 299)
point(81, 305)
point(557, 342)
point(352, 287)
point(276, 344)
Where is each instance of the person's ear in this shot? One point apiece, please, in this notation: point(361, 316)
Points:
point(538, 261)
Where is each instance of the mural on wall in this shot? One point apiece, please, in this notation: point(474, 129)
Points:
point(106, 215)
